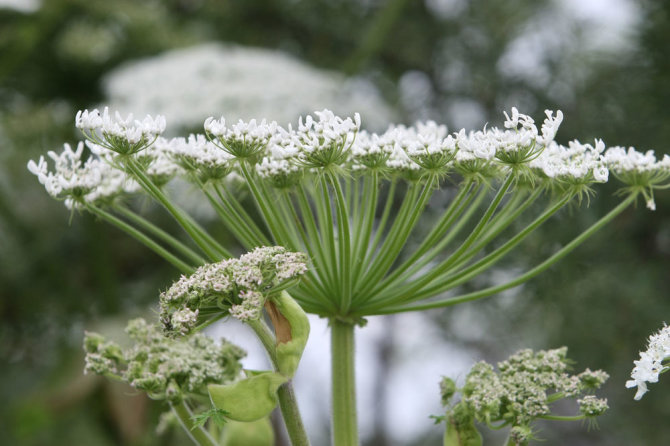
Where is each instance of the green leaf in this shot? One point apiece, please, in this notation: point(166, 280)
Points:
point(218, 416)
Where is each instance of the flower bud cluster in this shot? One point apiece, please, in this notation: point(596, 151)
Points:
point(590, 406)
point(237, 286)
point(650, 365)
point(125, 136)
point(165, 368)
point(524, 386)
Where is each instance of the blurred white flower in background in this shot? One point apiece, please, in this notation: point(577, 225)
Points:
point(188, 85)
point(26, 6)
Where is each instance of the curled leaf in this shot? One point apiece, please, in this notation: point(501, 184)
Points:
point(291, 329)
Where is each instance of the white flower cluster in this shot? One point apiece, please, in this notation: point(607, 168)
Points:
point(621, 160)
point(428, 145)
point(372, 151)
point(125, 136)
point(77, 180)
point(650, 365)
point(240, 286)
point(327, 142)
point(576, 163)
point(241, 140)
point(194, 155)
point(639, 169)
point(163, 367)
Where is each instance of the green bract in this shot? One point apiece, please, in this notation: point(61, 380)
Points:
point(248, 399)
point(254, 433)
point(292, 344)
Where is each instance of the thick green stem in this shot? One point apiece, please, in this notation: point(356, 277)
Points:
point(265, 336)
point(292, 419)
point(344, 426)
point(196, 433)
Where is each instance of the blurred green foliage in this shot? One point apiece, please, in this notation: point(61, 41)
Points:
point(58, 274)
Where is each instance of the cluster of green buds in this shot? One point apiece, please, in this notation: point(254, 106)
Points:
point(520, 392)
point(166, 369)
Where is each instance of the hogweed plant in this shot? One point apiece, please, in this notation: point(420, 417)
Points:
point(351, 203)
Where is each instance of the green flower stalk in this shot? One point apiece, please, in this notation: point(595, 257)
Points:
point(352, 202)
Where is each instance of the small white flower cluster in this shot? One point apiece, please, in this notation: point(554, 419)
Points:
point(372, 151)
point(200, 156)
point(639, 169)
point(241, 140)
point(279, 166)
point(577, 163)
point(590, 406)
point(158, 162)
point(125, 136)
point(519, 392)
point(240, 286)
point(650, 365)
point(428, 145)
point(325, 142)
point(165, 368)
point(525, 126)
point(78, 181)
point(621, 160)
